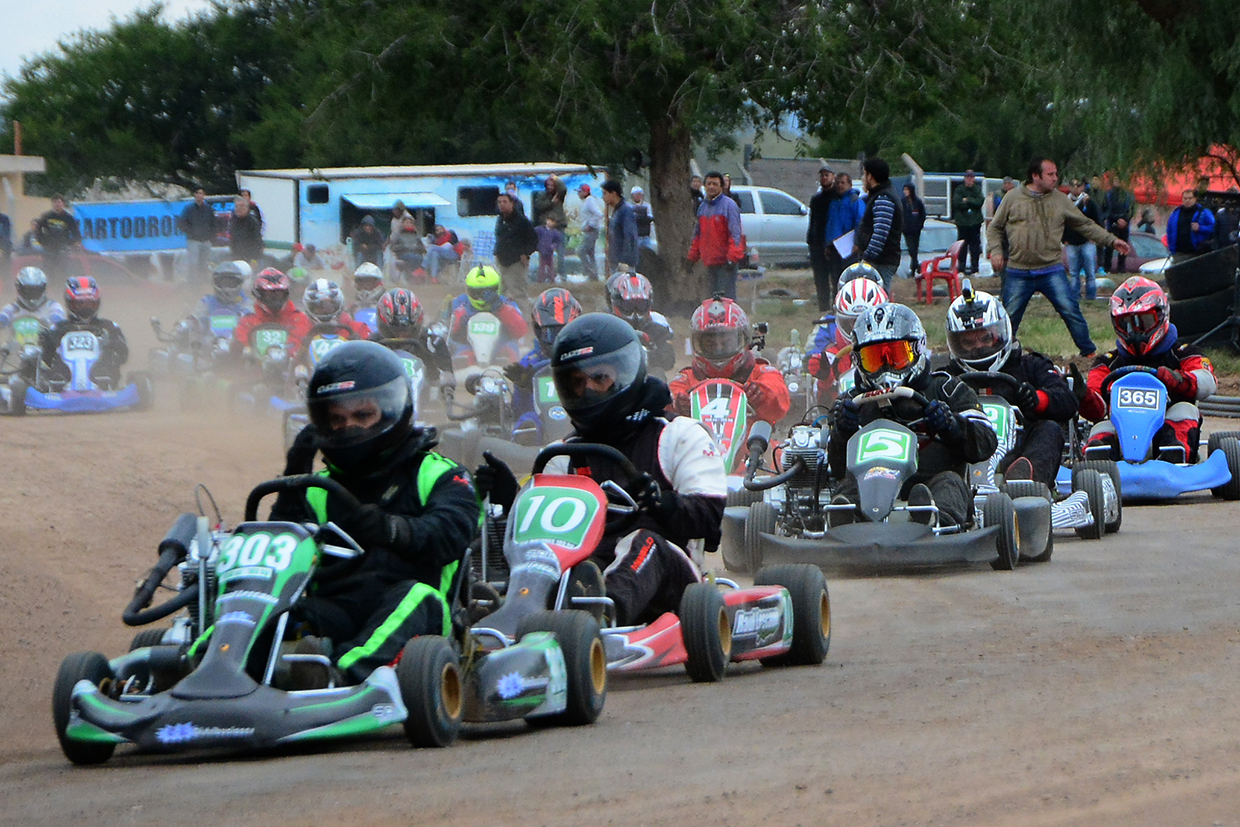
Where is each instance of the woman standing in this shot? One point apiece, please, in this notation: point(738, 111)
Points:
point(914, 220)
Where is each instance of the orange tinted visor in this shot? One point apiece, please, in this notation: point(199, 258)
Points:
point(896, 355)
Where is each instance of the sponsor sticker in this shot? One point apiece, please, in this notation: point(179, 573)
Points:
point(188, 731)
point(880, 472)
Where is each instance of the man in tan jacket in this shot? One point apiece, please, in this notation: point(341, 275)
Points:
point(1030, 222)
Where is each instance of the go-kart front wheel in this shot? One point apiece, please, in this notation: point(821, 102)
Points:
point(1090, 481)
point(146, 390)
point(811, 612)
point(82, 666)
point(706, 631)
point(1000, 511)
point(431, 688)
point(1230, 447)
point(17, 397)
point(584, 659)
point(760, 520)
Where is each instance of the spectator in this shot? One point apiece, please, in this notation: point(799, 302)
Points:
point(877, 241)
point(550, 204)
point(515, 242)
point(1031, 220)
point(645, 217)
point(58, 233)
point(996, 198)
point(308, 259)
point(1117, 209)
point(517, 203)
point(967, 201)
point(367, 243)
point(245, 233)
point(550, 242)
point(717, 237)
point(843, 215)
point(1226, 224)
point(727, 190)
point(816, 238)
point(914, 220)
point(1147, 222)
point(1082, 253)
point(695, 191)
point(406, 247)
point(1190, 229)
point(399, 213)
point(197, 221)
point(30, 240)
point(249, 199)
point(621, 228)
point(6, 241)
point(591, 224)
point(445, 248)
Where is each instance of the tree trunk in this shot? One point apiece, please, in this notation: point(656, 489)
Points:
point(678, 289)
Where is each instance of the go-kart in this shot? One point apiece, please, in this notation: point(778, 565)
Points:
point(188, 349)
point(723, 407)
point(555, 525)
point(882, 457)
point(1138, 409)
point(1093, 506)
point(283, 375)
point(792, 362)
point(81, 393)
point(222, 676)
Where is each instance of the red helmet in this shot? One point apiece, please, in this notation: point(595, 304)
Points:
point(630, 296)
point(400, 314)
point(82, 298)
point(1140, 315)
point(720, 336)
point(553, 309)
point(271, 289)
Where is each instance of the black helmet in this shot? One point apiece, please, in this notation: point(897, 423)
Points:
point(359, 402)
point(599, 367)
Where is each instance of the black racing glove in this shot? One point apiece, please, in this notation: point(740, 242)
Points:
point(300, 458)
point(520, 375)
point(1079, 389)
point(846, 416)
point(493, 477)
point(371, 526)
point(645, 491)
point(942, 420)
point(1026, 398)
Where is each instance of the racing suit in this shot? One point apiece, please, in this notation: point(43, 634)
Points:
point(297, 324)
point(824, 363)
point(524, 405)
point(647, 570)
point(510, 318)
point(764, 386)
point(369, 607)
point(113, 352)
point(211, 315)
point(49, 314)
point(942, 460)
point(1042, 437)
point(1188, 376)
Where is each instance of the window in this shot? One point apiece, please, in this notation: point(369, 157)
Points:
point(746, 201)
point(317, 194)
point(776, 203)
point(1146, 247)
point(476, 201)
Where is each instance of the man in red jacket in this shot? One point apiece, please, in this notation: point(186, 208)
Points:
point(717, 237)
point(720, 337)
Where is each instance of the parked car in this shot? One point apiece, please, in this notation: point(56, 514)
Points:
point(774, 224)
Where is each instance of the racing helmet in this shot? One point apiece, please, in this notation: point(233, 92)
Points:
point(860, 270)
point(31, 288)
point(367, 283)
point(400, 314)
point(1140, 314)
point(82, 298)
point(979, 331)
point(719, 333)
point(360, 403)
point(297, 275)
point(630, 296)
point(598, 365)
point(482, 286)
point(889, 349)
point(324, 301)
point(271, 289)
point(553, 309)
point(227, 280)
point(854, 297)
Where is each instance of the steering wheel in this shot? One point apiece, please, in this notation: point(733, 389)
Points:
point(1121, 372)
point(627, 508)
point(874, 397)
point(1001, 382)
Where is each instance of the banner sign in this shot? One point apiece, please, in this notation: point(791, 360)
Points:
point(139, 226)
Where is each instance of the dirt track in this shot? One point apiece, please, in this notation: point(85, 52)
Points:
point(1097, 689)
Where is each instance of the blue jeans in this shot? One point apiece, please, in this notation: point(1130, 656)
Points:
point(1083, 256)
point(1019, 287)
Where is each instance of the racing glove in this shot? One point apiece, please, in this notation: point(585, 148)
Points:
point(645, 491)
point(1026, 398)
point(300, 457)
point(942, 420)
point(756, 394)
point(846, 416)
point(520, 375)
point(371, 526)
point(1179, 383)
point(493, 477)
point(681, 403)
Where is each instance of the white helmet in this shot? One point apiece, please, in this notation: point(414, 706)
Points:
point(31, 288)
point(889, 349)
point(367, 283)
point(979, 331)
point(852, 299)
point(324, 301)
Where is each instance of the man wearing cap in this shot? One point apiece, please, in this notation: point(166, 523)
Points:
point(967, 203)
point(645, 217)
point(591, 223)
point(816, 237)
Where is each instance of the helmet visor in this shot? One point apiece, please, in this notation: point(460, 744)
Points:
point(976, 343)
point(896, 355)
point(546, 336)
point(718, 345)
point(1143, 322)
point(845, 324)
point(482, 297)
point(586, 382)
point(345, 417)
point(637, 307)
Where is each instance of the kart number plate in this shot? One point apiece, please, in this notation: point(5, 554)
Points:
point(882, 444)
point(26, 330)
point(1000, 419)
point(323, 345)
point(274, 552)
point(547, 394)
point(1139, 399)
point(266, 339)
point(81, 342)
point(563, 515)
point(222, 322)
point(484, 327)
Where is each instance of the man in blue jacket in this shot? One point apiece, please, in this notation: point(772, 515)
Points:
point(1189, 229)
point(621, 229)
point(843, 216)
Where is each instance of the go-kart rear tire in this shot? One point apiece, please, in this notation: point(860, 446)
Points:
point(1090, 481)
point(147, 637)
point(431, 688)
point(584, 659)
point(760, 520)
point(811, 612)
point(999, 511)
point(742, 496)
point(1033, 488)
point(1230, 490)
point(17, 397)
point(1111, 468)
point(89, 666)
point(707, 632)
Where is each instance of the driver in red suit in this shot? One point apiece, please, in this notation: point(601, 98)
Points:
point(273, 306)
point(1140, 314)
point(720, 337)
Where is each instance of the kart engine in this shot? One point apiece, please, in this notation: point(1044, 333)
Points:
point(803, 444)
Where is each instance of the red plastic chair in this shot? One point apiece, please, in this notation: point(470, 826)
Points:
point(945, 268)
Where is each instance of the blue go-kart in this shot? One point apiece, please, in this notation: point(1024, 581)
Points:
point(83, 392)
point(1144, 471)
